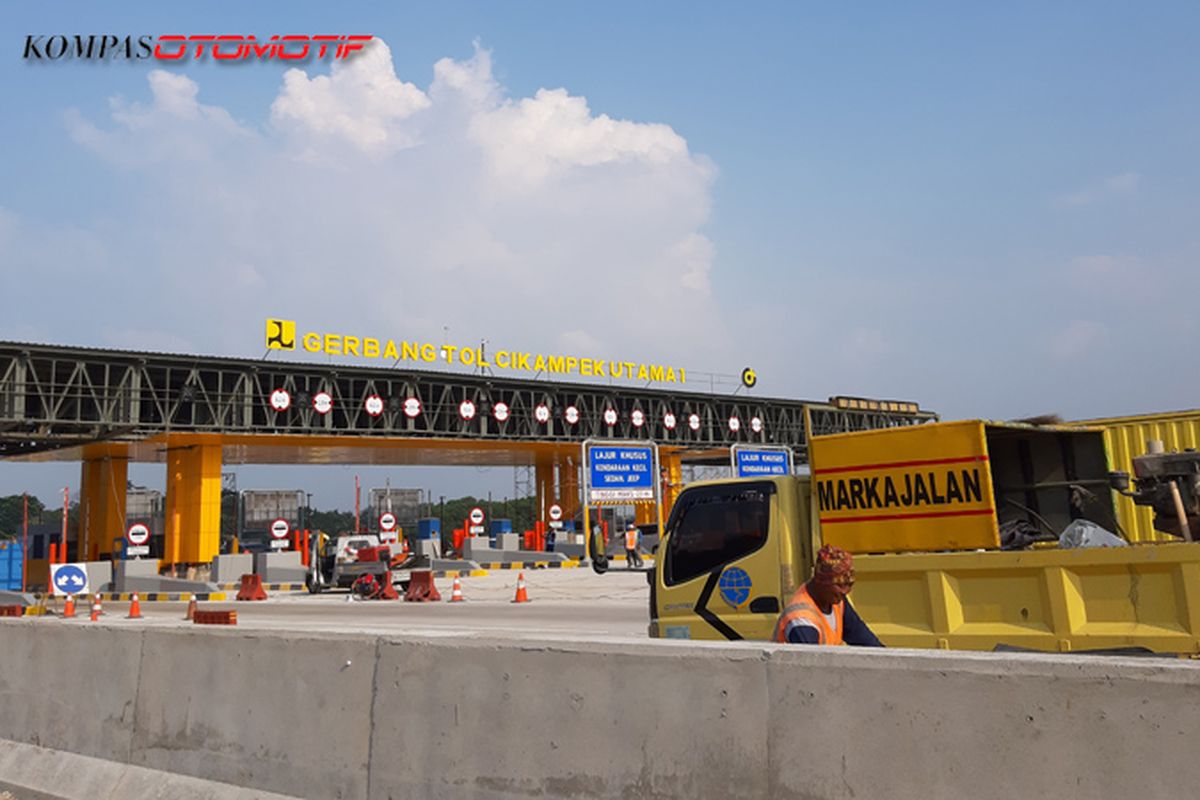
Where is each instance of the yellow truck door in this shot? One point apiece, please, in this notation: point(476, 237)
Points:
point(719, 566)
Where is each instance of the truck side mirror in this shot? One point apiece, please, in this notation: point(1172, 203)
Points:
point(597, 552)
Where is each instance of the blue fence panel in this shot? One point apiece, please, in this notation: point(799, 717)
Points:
point(10, 566)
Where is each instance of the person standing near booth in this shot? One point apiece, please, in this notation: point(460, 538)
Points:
point(633, 538)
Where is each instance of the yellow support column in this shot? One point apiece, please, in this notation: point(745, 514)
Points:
point(671, 477)
point(102, 485)
point(193, 523)
point(544, 478)
point(568, 486)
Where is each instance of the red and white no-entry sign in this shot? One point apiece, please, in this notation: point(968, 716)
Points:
point(475, 517)
point(280, 528)
point(138, 533)
point(387, 521)
point(555, 512)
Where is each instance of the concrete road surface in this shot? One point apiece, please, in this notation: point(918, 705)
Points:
point(569, 604)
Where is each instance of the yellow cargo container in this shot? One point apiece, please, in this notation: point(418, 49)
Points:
point(1125, 438)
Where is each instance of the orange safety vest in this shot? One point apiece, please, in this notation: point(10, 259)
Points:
point(804, 609)
point(631, 538)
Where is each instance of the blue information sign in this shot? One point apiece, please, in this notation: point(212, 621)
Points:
point(756, 463)
point(620, 472)
point(69, 579)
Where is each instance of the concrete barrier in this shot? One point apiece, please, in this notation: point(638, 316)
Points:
point(280, 567)
point(231, 568)
point(379, 717)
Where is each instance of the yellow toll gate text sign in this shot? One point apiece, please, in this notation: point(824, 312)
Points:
point(927, 487)
point(281, 335)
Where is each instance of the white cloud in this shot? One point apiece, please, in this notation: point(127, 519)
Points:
point(361, 101)
point(365, 204)
point(1124, 183)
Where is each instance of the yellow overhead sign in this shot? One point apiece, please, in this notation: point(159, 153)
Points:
point(281, 335)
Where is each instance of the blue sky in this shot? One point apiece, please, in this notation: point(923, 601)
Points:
point(990, 210)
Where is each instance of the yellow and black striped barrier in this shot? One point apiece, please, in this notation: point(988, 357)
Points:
point(530, 564)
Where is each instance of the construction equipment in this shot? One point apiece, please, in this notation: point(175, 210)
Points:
point(923, 509)
point(339, 563)
point(1169, 483)
point(336, 562)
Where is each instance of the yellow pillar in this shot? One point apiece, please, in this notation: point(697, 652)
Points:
point(544, 478)
point(568, 486)
point(193, 524)
point(101, 499)
point(671, 464)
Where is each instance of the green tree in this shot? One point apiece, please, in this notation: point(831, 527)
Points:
point(12, 512)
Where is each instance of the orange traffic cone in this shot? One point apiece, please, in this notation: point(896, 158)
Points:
point(135, 608)
point(69, 607)
point(456, 595)
point(96, 611)
point(522, 595)
point(191, 609)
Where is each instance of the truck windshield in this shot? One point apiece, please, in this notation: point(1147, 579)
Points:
point(713, 526)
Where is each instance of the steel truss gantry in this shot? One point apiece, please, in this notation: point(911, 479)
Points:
point(53, 397)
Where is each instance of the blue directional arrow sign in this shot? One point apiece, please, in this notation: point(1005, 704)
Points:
point(69, 579)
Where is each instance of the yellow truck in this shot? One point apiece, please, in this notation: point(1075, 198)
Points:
point(928, 511)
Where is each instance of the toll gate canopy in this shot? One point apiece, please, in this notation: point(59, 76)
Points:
point(195, 413)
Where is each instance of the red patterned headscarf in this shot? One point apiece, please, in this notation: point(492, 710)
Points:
point(834, 567)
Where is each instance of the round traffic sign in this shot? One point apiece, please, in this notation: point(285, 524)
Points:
point(637, 417)
point(138, 533)
point(610, 417)
point(412, 408)
point(542, 413)
point(466, 410)
point(373, 405)
point(387, 521)
point(735, 424)
point(500, 411)
point(281, 400)
point(476, 516)
point(322, 402)
point(571, 415)
point(555, 512)
point(669, 421)
point(694, 421)
point(280, 528)
point(756, 424)
point(69, 579)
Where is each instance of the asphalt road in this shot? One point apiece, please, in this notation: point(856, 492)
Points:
point(568, 604)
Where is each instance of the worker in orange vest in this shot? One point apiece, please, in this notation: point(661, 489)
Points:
point(632, 539)
point(819, 612)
